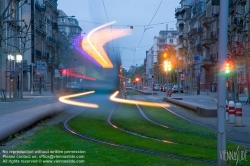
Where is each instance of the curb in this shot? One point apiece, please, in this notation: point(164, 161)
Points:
point(13, 123)
point(199, 109)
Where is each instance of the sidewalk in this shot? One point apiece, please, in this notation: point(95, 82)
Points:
point(16, 115)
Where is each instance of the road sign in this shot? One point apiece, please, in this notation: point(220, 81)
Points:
point(182, 76)
point(186, 74)
point(167, 48)
point(197, 58)
point(199, 75)
point(41, 68)
point(229, 56)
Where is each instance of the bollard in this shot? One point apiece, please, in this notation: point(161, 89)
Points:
point(238, 114)
point(231, 114)
point(226, 110)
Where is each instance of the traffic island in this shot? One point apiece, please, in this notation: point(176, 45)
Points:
point(199, 109)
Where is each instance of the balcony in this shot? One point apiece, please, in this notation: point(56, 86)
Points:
point(185, 35)
point(214, 35)
point(214, 57)
point(179, 10)
point(51, 40)
point(206, 42)
point(207, 63)
point(196, 31)
point(207, 21)
point(237, 22)
point(180, 33)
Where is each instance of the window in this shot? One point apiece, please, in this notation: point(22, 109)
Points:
point(160, 47)
point(161, 41)
point(62, 20)
point(171, 41)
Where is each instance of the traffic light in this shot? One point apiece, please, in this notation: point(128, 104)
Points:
point(137, 79)
point(167, 66)
point(165, 55)
point(228, 66)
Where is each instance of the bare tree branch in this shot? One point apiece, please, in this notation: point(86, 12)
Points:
point(5, 10)
point(14, 11)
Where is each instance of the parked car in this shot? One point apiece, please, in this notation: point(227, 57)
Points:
point(74, 87)
point(156, 87)
point(165, 88)
point(161, 87)
point(175, 88)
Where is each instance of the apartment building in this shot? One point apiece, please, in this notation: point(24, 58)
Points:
point(197, 36)
point(154, 65)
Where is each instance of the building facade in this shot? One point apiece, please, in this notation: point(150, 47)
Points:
point(197, 34)
point(154, 63)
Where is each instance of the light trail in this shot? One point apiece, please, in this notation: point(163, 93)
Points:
point(71, 74)
point(94, 30)
point(96, 39)
point(65, 99)
point(144, 103)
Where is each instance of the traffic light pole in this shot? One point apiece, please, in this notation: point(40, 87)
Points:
point(221, 111)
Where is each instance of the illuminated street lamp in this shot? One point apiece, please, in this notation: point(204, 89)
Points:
point(19, 58)
point(167, 67)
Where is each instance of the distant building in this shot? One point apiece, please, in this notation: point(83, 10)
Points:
point(166, 37)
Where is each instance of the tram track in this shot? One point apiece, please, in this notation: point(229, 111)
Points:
point(134, 133)
point(168, 126)
point(141, 150)
point(201, 124)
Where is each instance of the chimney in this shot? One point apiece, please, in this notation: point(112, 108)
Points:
point(166, 26)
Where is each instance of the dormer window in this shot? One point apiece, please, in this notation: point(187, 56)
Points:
point(62, 20)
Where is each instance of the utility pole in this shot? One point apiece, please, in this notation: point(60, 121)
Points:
point(221, 111)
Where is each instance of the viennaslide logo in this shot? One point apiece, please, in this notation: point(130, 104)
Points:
point(234, 155)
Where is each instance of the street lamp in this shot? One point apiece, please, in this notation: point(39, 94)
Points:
point(19, 59)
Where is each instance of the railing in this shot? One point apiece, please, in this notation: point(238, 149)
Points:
point(214, 57)
point(51, 40)
point(238, 21)
point(196, 31)
point(214, 34)
point(207, 20)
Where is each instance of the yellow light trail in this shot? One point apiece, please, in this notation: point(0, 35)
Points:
point(94, 30)
point(144, 103)
point(97, 38)
point(65, 99)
